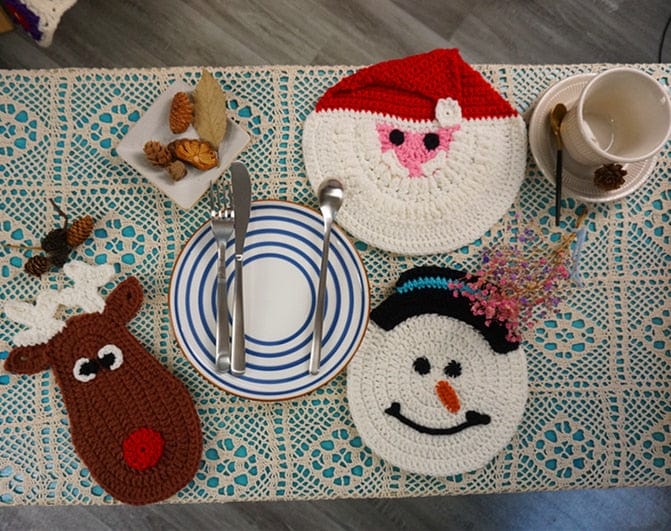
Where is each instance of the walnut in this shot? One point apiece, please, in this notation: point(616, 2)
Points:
point(181, 112)
point(198, 153)
point(157, 153)
point(176, 170)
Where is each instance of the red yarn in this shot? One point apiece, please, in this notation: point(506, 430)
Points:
point(143, 448)
point(410, 87)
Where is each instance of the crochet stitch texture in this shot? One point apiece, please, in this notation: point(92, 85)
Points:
point(133, 422)
point(438, 194)
point(429, 393)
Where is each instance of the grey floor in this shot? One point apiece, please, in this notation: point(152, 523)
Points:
point(254, 32)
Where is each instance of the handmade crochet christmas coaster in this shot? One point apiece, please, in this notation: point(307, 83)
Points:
point(435, 389)
point(132, 422)
point(430, 154)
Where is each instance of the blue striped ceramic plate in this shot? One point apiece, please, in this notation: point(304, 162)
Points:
point(281, 260)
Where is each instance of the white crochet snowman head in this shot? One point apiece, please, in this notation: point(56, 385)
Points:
point(430, 154)
point(432, 389)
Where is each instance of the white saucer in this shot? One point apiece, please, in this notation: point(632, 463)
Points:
point(577, 180)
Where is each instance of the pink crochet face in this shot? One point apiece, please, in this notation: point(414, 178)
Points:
point(413, 149)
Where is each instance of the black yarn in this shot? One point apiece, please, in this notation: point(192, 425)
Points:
point(401, 306)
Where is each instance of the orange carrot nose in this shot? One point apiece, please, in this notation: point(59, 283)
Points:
point(448, 396)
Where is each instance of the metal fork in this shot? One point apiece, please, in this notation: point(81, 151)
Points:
point(221, 221)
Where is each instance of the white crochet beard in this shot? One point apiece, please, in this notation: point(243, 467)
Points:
point(463, 192)
point(490, 383)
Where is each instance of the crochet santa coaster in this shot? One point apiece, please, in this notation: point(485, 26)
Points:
point(132, 422)
point(430, 154)
point(433, 388)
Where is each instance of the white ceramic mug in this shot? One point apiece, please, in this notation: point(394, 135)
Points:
point(622, 115)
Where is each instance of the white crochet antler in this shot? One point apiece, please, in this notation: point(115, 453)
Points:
point(39, 317)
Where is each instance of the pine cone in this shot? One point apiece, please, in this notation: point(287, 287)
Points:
point(60, 257)
point(181, 112)
point(36, 265)
point(79, 231)
point(55, 241)
point(177, 170)
point(157, 153)
point(198, 153)
point(609, 177)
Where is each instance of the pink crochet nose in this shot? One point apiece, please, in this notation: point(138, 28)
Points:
point(414, 149)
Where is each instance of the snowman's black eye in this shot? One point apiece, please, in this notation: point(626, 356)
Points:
point(396, 137)
point(452, 369)
point(421, 365)
point(431, 141)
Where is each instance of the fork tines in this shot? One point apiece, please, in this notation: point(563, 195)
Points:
point(221, 197)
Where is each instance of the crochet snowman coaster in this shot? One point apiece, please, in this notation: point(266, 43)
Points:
point(433, 390)
point(133, 423)
point(429, 153)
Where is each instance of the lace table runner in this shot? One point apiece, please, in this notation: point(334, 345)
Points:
point(599, 412)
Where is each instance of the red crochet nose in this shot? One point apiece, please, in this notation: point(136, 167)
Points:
point(143, 448)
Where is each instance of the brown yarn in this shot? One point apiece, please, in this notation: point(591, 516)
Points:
point(133, 423)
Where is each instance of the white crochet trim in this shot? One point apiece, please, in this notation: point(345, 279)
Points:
point(382, 373)
point(39, 317)
point(50, 13)
point(464, 191)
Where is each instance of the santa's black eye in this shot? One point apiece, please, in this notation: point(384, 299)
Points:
point(396, 137)
point(452, 369)
point(431, 141)
point(421, 365)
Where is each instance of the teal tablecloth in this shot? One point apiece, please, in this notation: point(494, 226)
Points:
point(599, 412)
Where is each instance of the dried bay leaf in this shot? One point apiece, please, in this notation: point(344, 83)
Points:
point(209, 106)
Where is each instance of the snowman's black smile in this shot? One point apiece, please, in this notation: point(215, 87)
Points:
point(473, 418)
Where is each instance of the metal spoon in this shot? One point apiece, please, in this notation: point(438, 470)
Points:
point(330, 194)
point(556, 116)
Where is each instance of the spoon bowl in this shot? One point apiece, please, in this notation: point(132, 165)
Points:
point(556, 117)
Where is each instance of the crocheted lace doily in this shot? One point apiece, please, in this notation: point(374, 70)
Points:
point(393, 388)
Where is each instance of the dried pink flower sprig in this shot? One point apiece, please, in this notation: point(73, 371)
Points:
point(519, 282)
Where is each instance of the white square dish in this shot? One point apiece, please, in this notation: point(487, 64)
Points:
point(154, 125)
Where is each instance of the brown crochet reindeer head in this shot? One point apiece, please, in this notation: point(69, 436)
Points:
point(133, 423)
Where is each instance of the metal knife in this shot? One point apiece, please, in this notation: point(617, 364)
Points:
point(242, 200)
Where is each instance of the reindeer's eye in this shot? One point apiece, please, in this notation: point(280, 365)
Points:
point(110, 357)
point(85, 369)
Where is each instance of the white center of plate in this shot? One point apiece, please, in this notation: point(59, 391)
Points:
point(277, 299)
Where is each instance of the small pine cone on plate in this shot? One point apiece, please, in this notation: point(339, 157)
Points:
point(157, 153)
point(198, 153)
point(181, 112)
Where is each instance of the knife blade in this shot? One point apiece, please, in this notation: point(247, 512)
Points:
point(242, 201)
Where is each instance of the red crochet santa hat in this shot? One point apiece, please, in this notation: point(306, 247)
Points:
point(436, 85)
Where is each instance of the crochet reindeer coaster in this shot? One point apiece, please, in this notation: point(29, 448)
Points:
point(132, 422)
point(434, 389)
point(429, 153)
